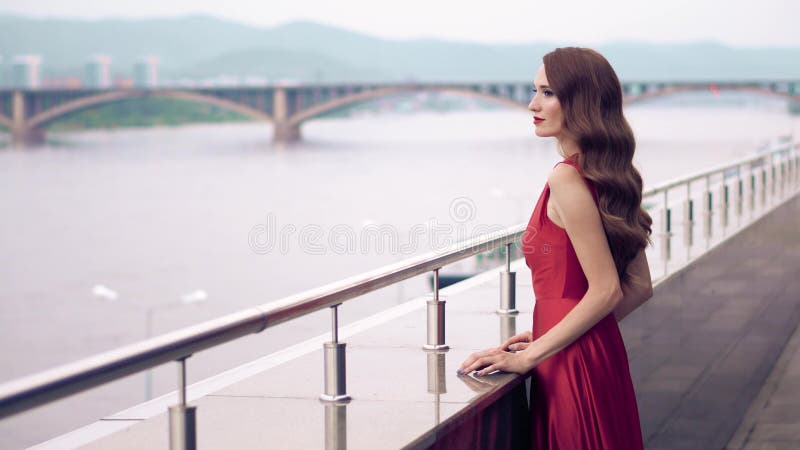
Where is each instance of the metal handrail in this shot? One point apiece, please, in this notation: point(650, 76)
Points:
point(776, 162)
point(29, 392)
point(679, 181)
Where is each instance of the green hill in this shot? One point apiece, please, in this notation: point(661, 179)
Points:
point(201, 46)
point(278, 63)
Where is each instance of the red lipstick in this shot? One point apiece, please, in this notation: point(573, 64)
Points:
point(538, 120)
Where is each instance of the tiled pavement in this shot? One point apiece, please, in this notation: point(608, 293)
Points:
point(773, 422)
point(703, 347)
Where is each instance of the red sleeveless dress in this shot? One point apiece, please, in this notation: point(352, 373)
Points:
point(582, 397)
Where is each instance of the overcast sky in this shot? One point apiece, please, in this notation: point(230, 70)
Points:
point(733, 22)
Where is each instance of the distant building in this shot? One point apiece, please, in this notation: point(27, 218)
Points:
point(98, 72)
point(145, 72)
point(62, 82)
point(25, 71)
point(123, 82)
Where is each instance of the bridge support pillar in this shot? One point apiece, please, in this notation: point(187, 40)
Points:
point(21, 133)
point(285, 132)
point(23, 136)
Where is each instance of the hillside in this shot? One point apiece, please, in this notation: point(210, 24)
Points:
point(201, 46)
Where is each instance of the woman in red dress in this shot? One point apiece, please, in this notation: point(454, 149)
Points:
point(585, 247)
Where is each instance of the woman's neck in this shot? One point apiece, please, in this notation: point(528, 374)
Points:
point(569, 148)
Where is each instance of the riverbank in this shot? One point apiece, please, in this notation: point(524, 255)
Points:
point(146, 112)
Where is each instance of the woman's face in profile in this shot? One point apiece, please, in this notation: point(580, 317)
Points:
point(547, 115)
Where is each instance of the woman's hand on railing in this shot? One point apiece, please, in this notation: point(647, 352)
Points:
point(493, 359)
point(513, 344)
point(518, 342)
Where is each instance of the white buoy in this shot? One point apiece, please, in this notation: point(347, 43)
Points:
point(104, 293)
point(194, 297)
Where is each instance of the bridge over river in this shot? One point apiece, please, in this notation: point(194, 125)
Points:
point(27, 113)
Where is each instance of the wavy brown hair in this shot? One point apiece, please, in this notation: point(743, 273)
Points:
point(591, 102)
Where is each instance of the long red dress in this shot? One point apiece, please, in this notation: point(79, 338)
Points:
point(581, 397)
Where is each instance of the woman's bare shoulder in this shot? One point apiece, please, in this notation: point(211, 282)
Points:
point(563, 176)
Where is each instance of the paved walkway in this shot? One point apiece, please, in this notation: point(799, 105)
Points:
point(773, 420)
point(704, 346)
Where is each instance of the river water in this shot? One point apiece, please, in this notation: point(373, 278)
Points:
point(158, 214)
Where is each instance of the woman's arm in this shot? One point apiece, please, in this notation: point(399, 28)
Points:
point(638, 290)
point(576, 207)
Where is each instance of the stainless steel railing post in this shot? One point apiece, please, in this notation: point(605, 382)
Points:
point(792, 172)
point(772, 177)
point(688, 220)
point(708, 210)
point(795, 172)
point(688, 229)
point(666, 229)
point(436, 337)
point(508, 285)
point(738, 195)
point(182, 418)
point(723, 204)
point(335, 367)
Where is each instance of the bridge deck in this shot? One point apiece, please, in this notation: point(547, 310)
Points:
point(701, 351)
